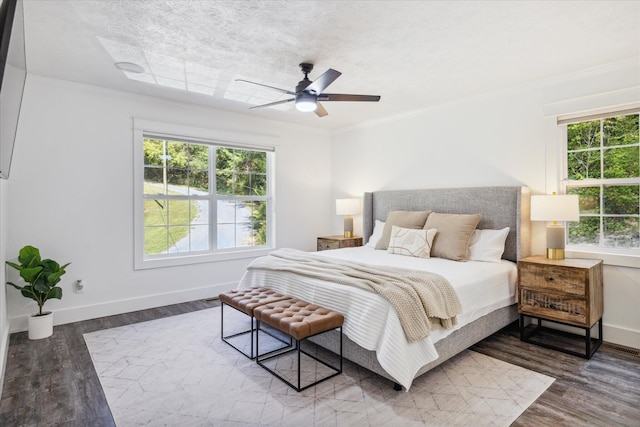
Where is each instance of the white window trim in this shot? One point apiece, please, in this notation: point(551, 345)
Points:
point(182, 132)
point(556, 158)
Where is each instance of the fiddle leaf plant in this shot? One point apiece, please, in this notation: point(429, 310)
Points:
point(41, 276)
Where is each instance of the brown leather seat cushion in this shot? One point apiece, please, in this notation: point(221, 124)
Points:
point(247, 300)
point(298, 318)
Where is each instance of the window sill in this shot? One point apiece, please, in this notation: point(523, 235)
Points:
point(143, 264)
point(609, 258)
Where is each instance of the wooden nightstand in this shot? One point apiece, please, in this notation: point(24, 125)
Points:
point(337, 242)
point(568, 292)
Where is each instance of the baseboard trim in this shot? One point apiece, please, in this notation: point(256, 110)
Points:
point(109, 308)
point(621, 336)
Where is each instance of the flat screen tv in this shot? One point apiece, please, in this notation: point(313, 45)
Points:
point(13, 73)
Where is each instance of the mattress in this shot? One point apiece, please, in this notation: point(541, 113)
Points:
point(372, 323)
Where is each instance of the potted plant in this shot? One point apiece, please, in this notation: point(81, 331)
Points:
point(42, 276)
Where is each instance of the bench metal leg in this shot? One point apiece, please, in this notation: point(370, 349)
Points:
point(298, 348)
point(226, 338)
point(252, 332)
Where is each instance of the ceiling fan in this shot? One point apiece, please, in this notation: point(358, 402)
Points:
point(308, 93)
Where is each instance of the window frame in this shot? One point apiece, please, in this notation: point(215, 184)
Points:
point(144, 129)
point(629, 257)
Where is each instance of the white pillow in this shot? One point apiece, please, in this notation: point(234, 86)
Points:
point(487, 245)
point(378, 228)
point(411, 242)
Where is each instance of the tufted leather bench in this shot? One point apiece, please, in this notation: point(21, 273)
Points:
point(300, 320)
point(245, 301)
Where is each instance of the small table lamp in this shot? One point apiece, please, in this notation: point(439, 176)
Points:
point(555, 208)
point(348, 207)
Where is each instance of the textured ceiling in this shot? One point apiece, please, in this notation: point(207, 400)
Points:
point(414, 54)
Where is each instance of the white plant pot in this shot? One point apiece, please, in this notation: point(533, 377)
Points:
point(41, 326)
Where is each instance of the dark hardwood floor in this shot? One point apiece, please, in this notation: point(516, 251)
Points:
point(602, 391)
point(52, 381)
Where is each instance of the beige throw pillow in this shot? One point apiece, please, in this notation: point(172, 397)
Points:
point(404, 219)
point(411, 242)
point(454, 233)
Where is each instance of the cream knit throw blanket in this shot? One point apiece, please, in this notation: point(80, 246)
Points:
point(418, 297)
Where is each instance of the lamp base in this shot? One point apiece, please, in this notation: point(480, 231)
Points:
point(348, 227)
point(555, 253)
point(555, 241)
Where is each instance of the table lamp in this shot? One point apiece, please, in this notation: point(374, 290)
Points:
point(555, 208)
point(348, 207)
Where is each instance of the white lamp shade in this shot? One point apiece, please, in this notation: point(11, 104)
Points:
point(555, 208)
point(348, 206)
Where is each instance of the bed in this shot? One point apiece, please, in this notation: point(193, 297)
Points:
point(373, 335)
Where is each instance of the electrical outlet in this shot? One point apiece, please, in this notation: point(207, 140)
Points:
point(79, 286)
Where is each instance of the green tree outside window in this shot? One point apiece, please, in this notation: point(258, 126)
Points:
point(603, 168)
point(178, 194)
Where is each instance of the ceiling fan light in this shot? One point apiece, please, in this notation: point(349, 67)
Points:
point(306, 102)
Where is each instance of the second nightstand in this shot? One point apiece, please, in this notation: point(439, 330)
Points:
point(567, 291)
point(337, 242)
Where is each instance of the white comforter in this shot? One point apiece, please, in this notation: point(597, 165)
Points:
point(372, 323)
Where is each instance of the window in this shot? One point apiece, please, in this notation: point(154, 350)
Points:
point(201, 200)
point(602, 166)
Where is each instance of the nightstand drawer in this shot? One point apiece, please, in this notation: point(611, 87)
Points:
point(556, 306)
point(555, 278)
point(351, 243)
point(325, 244)
point(338, 242)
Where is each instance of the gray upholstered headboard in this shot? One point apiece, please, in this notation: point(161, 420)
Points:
point(500, 207)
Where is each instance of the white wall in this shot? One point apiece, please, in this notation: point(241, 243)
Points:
point(71, 195)
point(497, 139)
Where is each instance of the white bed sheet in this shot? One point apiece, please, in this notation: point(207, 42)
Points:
point(372, 323)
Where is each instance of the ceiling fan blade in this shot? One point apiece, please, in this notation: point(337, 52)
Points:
point(322, 82)
point(320, 111)
point(284, 101)
point(288, 92)
point(348, 97)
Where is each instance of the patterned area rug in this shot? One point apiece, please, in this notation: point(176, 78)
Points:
point(177, 371)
